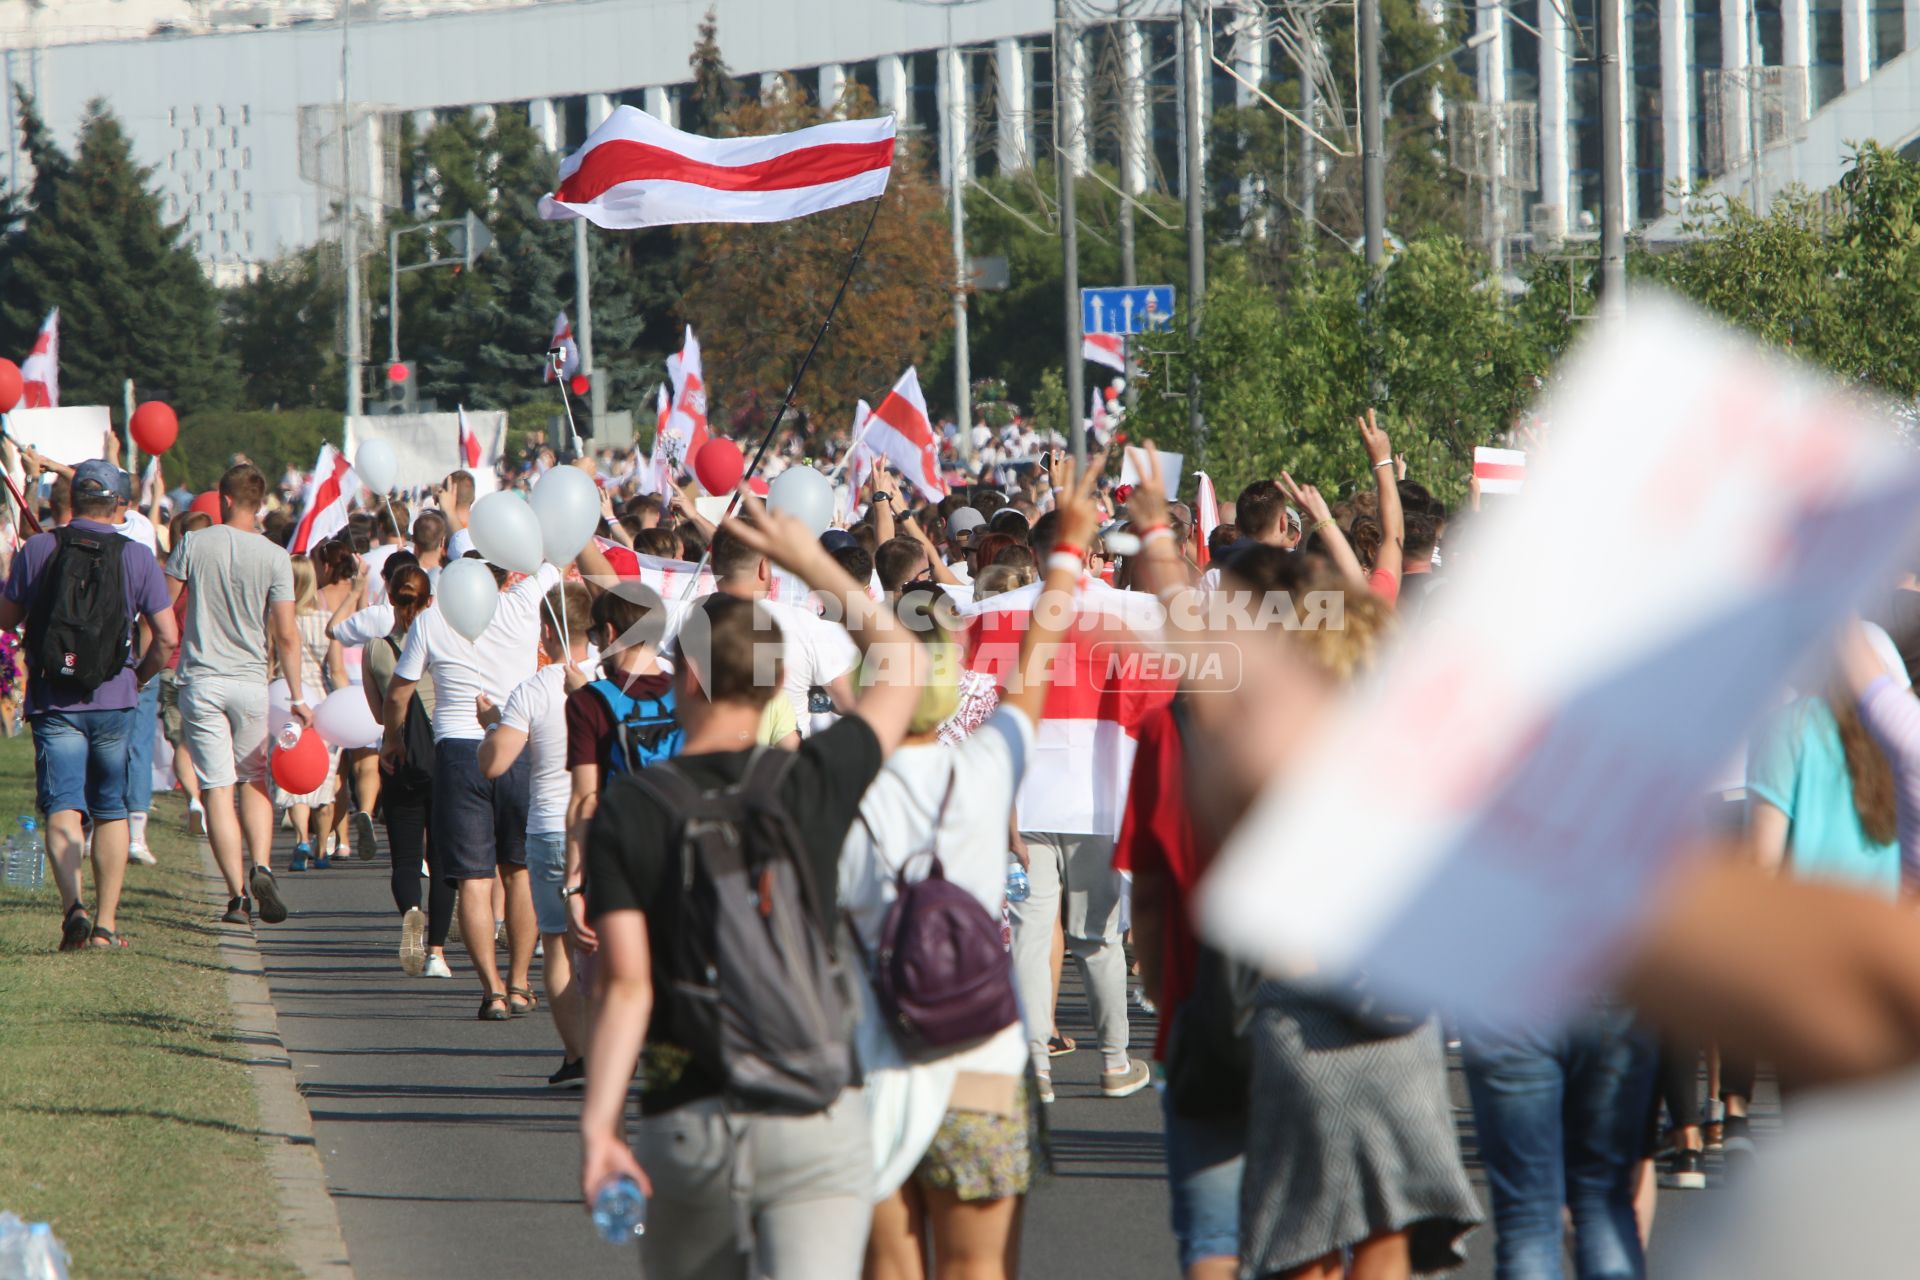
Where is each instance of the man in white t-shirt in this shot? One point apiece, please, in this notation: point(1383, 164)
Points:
point(533, 725)
point(480, 822)
point(816, 654)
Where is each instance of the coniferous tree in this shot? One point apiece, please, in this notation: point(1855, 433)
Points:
point(282, 326)
point(134, 301)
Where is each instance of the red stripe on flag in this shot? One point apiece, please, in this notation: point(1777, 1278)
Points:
point(620, 160)
point(1499, 471)
point(900, 414)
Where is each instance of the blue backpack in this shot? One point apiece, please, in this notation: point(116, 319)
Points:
point(644, 731)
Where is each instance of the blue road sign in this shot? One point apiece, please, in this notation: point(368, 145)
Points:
point(1137, 310)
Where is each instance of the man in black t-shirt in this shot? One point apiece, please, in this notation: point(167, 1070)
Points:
point(808, 1191)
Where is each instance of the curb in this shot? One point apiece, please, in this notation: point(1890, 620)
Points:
point(309, 1222)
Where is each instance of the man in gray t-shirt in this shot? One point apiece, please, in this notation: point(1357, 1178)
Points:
point(239, 600)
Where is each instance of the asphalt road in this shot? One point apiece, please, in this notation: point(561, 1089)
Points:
point(448, 1156)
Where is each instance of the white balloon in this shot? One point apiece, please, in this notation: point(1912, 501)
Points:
point(377, 465)
point(566, 502)
point(804, 494)
point(467, 595)
point(506, 531)
point(344, 719)
point(279, 700)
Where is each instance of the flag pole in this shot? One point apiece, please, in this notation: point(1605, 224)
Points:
point(793, 387)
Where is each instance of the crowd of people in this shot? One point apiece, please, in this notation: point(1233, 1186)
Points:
point(804, 847)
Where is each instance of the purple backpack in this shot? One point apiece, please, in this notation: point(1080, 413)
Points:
point(941, 974)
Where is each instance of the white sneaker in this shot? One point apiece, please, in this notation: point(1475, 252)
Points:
point(1044, 1086)
point(140, 854)
point(413, 942)
point(437, 967)
point(196, 819)
point(1127, 1081)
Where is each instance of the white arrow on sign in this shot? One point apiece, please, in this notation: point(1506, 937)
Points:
point(1099, 323)
point(1126, 307)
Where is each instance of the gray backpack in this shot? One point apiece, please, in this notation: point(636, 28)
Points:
point(756, 990)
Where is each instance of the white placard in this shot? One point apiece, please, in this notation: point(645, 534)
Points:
point(1133, 465)
point(70, 435)
point(1481, 827)
point(428, 444)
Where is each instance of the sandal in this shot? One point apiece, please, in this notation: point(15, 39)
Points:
point(521, 1001)
point(106, 939)
point(1059, 1045)
point(493, 1007)
point(76, 928)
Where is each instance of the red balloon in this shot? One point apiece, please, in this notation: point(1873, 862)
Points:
point(303, 766)
point(11, 388)
point(154, 427)
point(758, 487)
point(580, 384)
point(718, 465)
point(208, 502)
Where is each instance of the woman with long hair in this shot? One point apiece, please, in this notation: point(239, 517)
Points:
point(311, 813)
point(407, 793)
point(950, 1130)
point(341, 577)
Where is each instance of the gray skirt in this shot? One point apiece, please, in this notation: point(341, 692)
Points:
point(1349, 1136)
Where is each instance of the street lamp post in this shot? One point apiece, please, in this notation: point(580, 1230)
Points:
point(469, 237)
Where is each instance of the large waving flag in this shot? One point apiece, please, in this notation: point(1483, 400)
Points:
point(468, 444)
point(901, 432)
point(40, 371)
point(562, 341)
point(635, 171)
point(687, 423)
point(329, 496)
point(1108, 349)
point(656, 477)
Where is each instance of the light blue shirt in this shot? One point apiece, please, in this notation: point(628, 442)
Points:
point(1797, 764)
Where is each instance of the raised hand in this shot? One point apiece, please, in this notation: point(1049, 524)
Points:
point(1379, 448)
point(1307, 498)
point(1079, 514)
point(1147, 504)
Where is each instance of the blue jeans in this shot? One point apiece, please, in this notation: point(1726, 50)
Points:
point(1562, 1118)
point(1205, 1161)
point(146, 716)
point(80, 762)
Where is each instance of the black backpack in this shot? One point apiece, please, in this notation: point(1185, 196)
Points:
point(755, 989)
point(78, 631)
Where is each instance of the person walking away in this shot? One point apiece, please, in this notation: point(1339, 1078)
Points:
point(817, 653)
point(312, 813)
point(952, 1154)
point(479, 822)
point(240, 604)
point(455, 496)
point(80, 590)
point(406, 785)
point(751, 1172)
point(534, 721)
point(339, 578)
point(170, 724)
point(130, 524)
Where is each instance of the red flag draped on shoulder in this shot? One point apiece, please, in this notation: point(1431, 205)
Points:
point(330, 491)
point(901, 432)
point(635, 171)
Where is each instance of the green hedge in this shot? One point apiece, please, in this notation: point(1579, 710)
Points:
point(273, 438)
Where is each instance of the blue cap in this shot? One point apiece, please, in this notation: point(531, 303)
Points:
point(97, 476)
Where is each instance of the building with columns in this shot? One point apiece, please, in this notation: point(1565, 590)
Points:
point(214, 93)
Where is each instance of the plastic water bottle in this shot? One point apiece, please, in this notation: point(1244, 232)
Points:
point(1019, 888)
point(33, 864)
point(620, 1210)
point(32, 1253)
point(289, 736)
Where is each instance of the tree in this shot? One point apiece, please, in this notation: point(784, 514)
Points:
point(757, 294)
point(134, 302)
point(282, 327)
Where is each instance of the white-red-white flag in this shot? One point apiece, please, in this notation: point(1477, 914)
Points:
point(901, 432)
point(568, 361)
point(687, 423)
point(1099, 419)
point(860, 455)
point(1206, 511)
point(329, 496)
point(1108, 349)
point(1499, 470)
point(467, 444)
point(40, 371)
point(635, 171)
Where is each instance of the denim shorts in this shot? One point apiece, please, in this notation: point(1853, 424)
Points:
point(479, 823)
point(546, 872)
point(1205, 1159)
point(80, 762)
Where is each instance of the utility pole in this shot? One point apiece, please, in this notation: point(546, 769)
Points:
point(1193, 50)
point(583, 331)
point(1066, 75)
point(349, 234)
point(1309, 171)
point(1613, 194)
point(1373, 172)
point(951, 129)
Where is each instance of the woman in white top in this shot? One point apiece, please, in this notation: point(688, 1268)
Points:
point(311, 812)
point(950, 1135)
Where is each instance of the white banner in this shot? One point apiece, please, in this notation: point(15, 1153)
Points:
point(428, 444)
point(69, 435)
point(1481, 827)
